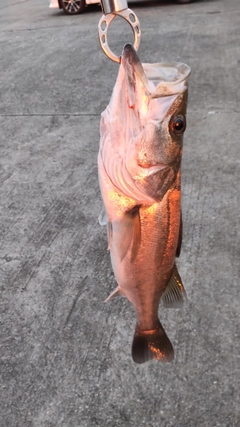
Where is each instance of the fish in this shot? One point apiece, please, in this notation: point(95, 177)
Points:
point(139, 169)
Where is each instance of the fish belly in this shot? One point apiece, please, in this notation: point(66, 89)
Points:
point(144, 279)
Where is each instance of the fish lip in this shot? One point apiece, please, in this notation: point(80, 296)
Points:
point(130, 54)
point(164, 87)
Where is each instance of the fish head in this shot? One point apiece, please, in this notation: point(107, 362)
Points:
point(157, 95)
point(146, 119)
point(154, 156)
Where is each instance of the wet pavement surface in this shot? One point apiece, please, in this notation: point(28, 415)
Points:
point(65, 355)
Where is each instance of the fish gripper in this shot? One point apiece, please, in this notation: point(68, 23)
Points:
point(111, 9)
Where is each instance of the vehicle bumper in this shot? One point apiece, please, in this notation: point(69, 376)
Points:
point(54, 4)
point(92, 2)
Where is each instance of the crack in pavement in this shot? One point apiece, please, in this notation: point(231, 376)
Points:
point(14, 4)
point(38, 28)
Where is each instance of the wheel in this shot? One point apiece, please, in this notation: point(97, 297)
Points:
point(73, 7)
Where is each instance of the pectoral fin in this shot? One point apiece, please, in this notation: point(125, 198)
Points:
point(126, 233)
point(174, 294)
point(109, 234)
point(102, 219)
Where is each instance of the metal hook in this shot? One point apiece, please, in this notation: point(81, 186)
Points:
point(104, 23)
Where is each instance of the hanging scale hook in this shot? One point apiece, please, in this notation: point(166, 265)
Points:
point(111, 9)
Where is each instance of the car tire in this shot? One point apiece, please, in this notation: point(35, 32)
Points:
point(73, 7)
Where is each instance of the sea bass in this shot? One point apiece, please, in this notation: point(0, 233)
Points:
point(139, 175)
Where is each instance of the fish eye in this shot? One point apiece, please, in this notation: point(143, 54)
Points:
point(178, 124)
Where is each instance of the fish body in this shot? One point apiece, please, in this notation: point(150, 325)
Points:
point(140, 180)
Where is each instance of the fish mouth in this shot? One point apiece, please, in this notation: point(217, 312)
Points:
point(130, 54)
point(160, 79)
point(131, 60)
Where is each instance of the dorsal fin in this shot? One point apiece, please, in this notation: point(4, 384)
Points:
point(174, 294)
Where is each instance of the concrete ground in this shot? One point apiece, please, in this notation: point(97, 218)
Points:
point(65, 355)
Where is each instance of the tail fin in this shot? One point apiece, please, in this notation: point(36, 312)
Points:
point(153, 344)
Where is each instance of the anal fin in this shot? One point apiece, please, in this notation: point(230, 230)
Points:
point(174, 294)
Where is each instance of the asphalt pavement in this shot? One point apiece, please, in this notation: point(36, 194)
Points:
point(65, 355)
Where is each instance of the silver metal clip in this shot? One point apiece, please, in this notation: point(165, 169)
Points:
point(111, 9)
